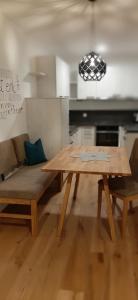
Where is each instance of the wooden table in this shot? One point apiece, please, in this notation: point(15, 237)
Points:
point(117, 165)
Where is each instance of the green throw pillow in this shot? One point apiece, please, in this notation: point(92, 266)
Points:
point(34, 153)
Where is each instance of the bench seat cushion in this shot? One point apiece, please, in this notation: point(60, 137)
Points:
point(27, 183)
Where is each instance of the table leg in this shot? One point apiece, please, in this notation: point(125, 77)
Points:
point(76, 186)
point(100, 190)
point(64, 206)
point(109, 207)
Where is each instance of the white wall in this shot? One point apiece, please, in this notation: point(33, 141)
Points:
point(121, 79)
point(13, 57)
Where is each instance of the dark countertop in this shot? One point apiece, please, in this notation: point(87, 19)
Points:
point(131, 127)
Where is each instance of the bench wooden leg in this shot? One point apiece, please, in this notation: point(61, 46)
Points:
point(34, 218)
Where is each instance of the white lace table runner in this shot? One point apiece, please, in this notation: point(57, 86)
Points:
point(88, 156)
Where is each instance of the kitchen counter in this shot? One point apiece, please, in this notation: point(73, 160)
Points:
point(125, 119)
point(130, 128)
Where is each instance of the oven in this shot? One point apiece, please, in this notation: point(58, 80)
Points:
point(107, 135)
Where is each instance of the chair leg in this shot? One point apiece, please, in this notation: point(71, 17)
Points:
point(34, 220)
point(60, 181)
point(113, 203)
point(124, 217)
point(100, 189)
point(131, 208)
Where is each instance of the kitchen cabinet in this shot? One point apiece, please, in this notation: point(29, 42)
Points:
point(56, 82)
point(84, 136)
point(64, 118)
point(88, 135)
point(48, 119)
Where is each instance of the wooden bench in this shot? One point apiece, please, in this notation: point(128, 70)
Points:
point(27, 185)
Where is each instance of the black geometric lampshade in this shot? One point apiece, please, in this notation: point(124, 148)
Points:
point(92, 67)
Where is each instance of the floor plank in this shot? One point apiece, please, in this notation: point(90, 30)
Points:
point(85, 265)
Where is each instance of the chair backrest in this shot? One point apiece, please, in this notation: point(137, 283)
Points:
point(134, 159)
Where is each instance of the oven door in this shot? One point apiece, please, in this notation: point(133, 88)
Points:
point(107, 136)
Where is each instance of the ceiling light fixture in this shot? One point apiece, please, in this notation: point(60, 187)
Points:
point(92, 67)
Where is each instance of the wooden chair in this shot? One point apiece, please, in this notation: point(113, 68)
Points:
point(124, 188)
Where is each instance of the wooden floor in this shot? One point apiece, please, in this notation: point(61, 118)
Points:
point(86, 204)
point(86, 265)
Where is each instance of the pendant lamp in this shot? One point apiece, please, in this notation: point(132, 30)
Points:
point(92, 67)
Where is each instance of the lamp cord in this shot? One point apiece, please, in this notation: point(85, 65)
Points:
point(94, 34)
point(94, 22)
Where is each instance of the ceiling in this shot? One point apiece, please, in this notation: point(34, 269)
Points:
point(65, 27)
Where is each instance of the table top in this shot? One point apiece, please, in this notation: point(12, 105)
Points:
point(118, 163)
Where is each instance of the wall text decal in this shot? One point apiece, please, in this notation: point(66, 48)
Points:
point(10, 94)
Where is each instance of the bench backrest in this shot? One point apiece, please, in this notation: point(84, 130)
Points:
point(18, 143)
point(12, 153)
point(8, 158)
